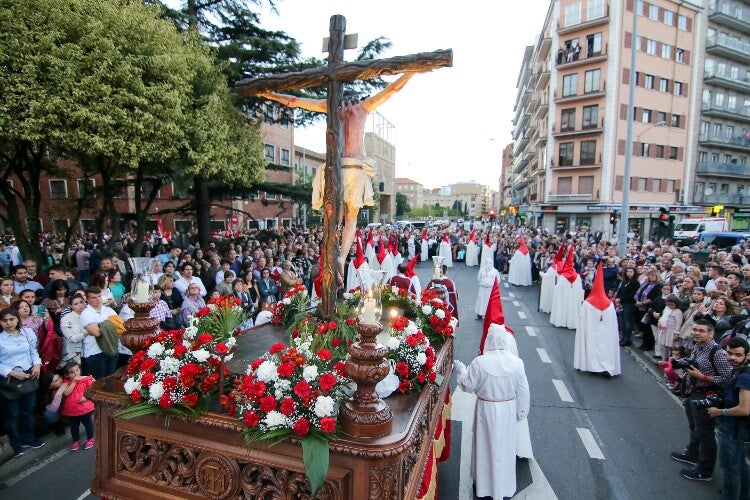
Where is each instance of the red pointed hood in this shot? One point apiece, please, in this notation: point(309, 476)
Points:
point(598, 297)
point(370, 240)
point(568, 271)
point(494, 314)
point(424, 233)
point(557, 263)
point(473, 236)
point(393, 245)
point(445, 238)
point(359, 258)
point(382, 252)
point(410, 267)
point(522, 246)
point(487, 240)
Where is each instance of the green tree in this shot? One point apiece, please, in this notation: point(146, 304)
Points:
point(402, 204)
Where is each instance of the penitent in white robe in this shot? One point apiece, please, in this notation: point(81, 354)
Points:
point(597, 346)
point(472, 254)
point(411, 247)
point(485, 279)
point(566, 303)
point(545, 292)
point(425, 250)
point(519, 269)
point(499, 382)
point(445, 252)
point(352, 276)
point(387, 266)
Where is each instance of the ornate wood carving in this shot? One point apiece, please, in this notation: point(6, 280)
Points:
point(385, 483)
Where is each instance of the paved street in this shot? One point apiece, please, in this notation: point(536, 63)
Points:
point(593, 437)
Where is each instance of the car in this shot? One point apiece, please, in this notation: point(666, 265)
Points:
point(723, 240)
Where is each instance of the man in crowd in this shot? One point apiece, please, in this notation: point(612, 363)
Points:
point(21, 280)
point(95, 362)
point(186, 278)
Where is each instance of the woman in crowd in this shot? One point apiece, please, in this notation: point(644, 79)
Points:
point(7, 292)
point(58, 297)
point(169, 270)
point(19, 361)
point(625, 297)
point(202, 272)
point(102, 282)
point(288, 277)
point(171, 296)
point(27, 320)
point(648, 292)
point(721, 310)
point(192, 303)
point(684, 291)
point(116, 286)
point(198, 257)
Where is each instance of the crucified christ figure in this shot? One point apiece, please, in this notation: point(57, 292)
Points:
point(357, 170)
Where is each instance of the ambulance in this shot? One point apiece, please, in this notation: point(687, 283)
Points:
point(689, 229)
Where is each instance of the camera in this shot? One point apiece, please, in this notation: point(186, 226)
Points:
point(684, 363)
point(707, 402)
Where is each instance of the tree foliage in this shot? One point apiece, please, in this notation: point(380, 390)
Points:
point(402, 204)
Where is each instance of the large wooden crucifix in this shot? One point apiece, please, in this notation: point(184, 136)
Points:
point(334, 75)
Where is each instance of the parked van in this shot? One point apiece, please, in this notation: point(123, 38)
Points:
point(723, 241)
point(689, 229)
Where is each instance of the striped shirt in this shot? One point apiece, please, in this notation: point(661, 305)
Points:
point(701, 354)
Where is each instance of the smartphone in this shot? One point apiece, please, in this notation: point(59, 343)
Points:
point(40, 310)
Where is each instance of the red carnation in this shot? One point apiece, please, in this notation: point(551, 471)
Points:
point(148, 364)
point(302, 389)
point(285, 369)
point(135, 396)
point(251, 418)
point(412, 341)
point(179, 350)
point(335, 342)
point(420, 377)
point(203, 312)
point(222, 348)
point(350, 321)
point(170, 383)
point(324, 355)
point(322, 328)
point(166, 401)
point(267, 403)
point(402, 368)
point(404, 386)
point(331, 325)
point(277, 347)
point(257, 363)
point(327, 381)
point(190, 399)
point(340, 368)
point(328, 424)
point(147, 379)
point(433, 376)
point(301, 427)
point(288, 406)
point(204, 338)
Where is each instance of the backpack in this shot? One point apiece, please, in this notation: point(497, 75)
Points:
point(49, 346)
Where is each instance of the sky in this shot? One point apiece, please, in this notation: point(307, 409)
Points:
point(452, 123)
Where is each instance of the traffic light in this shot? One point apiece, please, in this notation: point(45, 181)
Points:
point(663, 217)
point(613, 218)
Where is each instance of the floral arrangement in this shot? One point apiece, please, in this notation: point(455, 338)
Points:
point(395, 297)
point(335, 335)
point(293, 392)
point(294, 302)
point(412, 354)
point(434, 317)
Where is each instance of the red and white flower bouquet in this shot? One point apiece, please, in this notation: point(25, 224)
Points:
point(413, 359)
point(434, 317)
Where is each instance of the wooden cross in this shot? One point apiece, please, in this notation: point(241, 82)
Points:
point(334, 75)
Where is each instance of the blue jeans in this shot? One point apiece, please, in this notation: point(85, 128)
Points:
point(732, 462)
point(18, 420)
point(99, 365)
point(628, 317)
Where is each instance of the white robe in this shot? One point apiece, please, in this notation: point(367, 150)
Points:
point(371, 256)
point(519, 270)
point(472, 254)
point(546, 290)
point(411, 247)
point(352, 276)
point(499, 382)
point(597, 347)
point(417, 285)
point(425, 250)
point(485, 279)
point(387, 266)
point(488, 253)
point(445, 252)
point(566, 303)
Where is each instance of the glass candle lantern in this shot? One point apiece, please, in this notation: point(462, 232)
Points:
point(371, 304)
point(438, 261)
point(142, 287)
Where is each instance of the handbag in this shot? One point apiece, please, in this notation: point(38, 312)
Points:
point(12, 388)
point(6, 450)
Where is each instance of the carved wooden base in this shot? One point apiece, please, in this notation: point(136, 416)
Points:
point(367, 415)
point(139, 328)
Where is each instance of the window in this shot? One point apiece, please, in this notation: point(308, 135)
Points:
point(86, 188)
point(661, 117)
point(727, 158)
point(566, 154)
point(668, 17)
point(285, 157)
point(658, 151)
point(679, 55)
point(147, 186)
point(58, 188)
point(646, 116)
point(721, 69)
point(734, 73)
point(673, 153)
point(729, 133)
point(706, 96)
point(570, 84)
point(682, 22)
point(677, 88)
point(586, 184)
point(269, 152)
point(651, 47)
point(564, 185)
point(732, 101)
point(641, 183)
point(649, 82)
point(588, 152)
point(60, 226)
point(254, 195)
point(675, 122)
point(645, 148)
point(639, 7)
point(591, 82)
point(655, 185)
point(666, 51)
point(595, 9)
point(270, 196)
point(590, 116)
point(88, 225)
point(715, 157)
point(639, 44)
point(663, 85)
point(183, 226)
point(725, 189)
point(719, 99)
point(573, 14)
point(704, 127)
point(670, 185)
point(653, 12)
point(286, 197)
point(286, 223)
point(568, 119)
point(268, 113)
point(594, 45)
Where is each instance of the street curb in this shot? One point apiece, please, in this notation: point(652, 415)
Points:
point(17, 468)
point(645, 361)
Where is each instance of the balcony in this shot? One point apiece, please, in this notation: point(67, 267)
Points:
point(738, 143)
point(520, 144)
point(580, 94)
point(596, 128)
point(728, 14)
point(587, 163)
point(543, 46)
point(519, 165)
point(542, 107)
point(542, 71)
point(725, 46)
point(520, 107)
point(590, 22)
point(720, 199)
point(713, 78)
point(571, 58)
point(722, 169)
point(571, 197)
point(739, 113)
point(521, 181)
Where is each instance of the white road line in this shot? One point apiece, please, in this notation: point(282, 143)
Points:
point(543, 355)
point(516, 303)
point(84, 495)
point(511, 295)
point(562, 391)
point(590, 443)
point(531, 331)
point(40, 465)
point(521, 314)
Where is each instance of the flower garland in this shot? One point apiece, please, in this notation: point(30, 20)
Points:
point(294, 302)
point(412, 354)
point(434, 317)
point(293, 392)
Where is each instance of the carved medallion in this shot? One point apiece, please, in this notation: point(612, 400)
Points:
point(217, 476)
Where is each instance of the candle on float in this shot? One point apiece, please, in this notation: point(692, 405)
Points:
point(368, 311)
point(141, 294)
point(438, 273)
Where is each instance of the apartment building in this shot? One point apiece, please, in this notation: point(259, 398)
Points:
point(572, 108)
point(413, 190)
point(505, 176)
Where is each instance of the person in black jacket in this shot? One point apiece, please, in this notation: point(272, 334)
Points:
point(625, 297)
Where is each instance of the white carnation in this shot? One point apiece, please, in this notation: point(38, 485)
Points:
point(421, 358)
point(169, 352)
point(275, 419)
point(156, 391)
point(156, 349)
point(169, 365)
point(427, 309)
point(283, 384)
point(411, 328)
point(190, 332)
point(310, 373)
point(228, 357)
point(266, 372)
point(286, 301)
point(324, 406)
point(440, 313)
point(392, 343)
point(131, 385)
point(231, 342)
point(201, 355)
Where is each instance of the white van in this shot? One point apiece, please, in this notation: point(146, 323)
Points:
point(691, 228)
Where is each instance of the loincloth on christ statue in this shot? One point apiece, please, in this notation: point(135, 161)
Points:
point(357, 186)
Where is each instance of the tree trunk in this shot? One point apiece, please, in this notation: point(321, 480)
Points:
point(202, 210)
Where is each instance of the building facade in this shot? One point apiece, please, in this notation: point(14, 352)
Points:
point(413, 190)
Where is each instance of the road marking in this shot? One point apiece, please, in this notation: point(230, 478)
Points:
point(511, 295)
point(590, 443)
point(531, 331)
point(84, 495)
point(562, 391)
point(44, 463)
point(516, 303)
point(543, 355)
point(521, 314)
